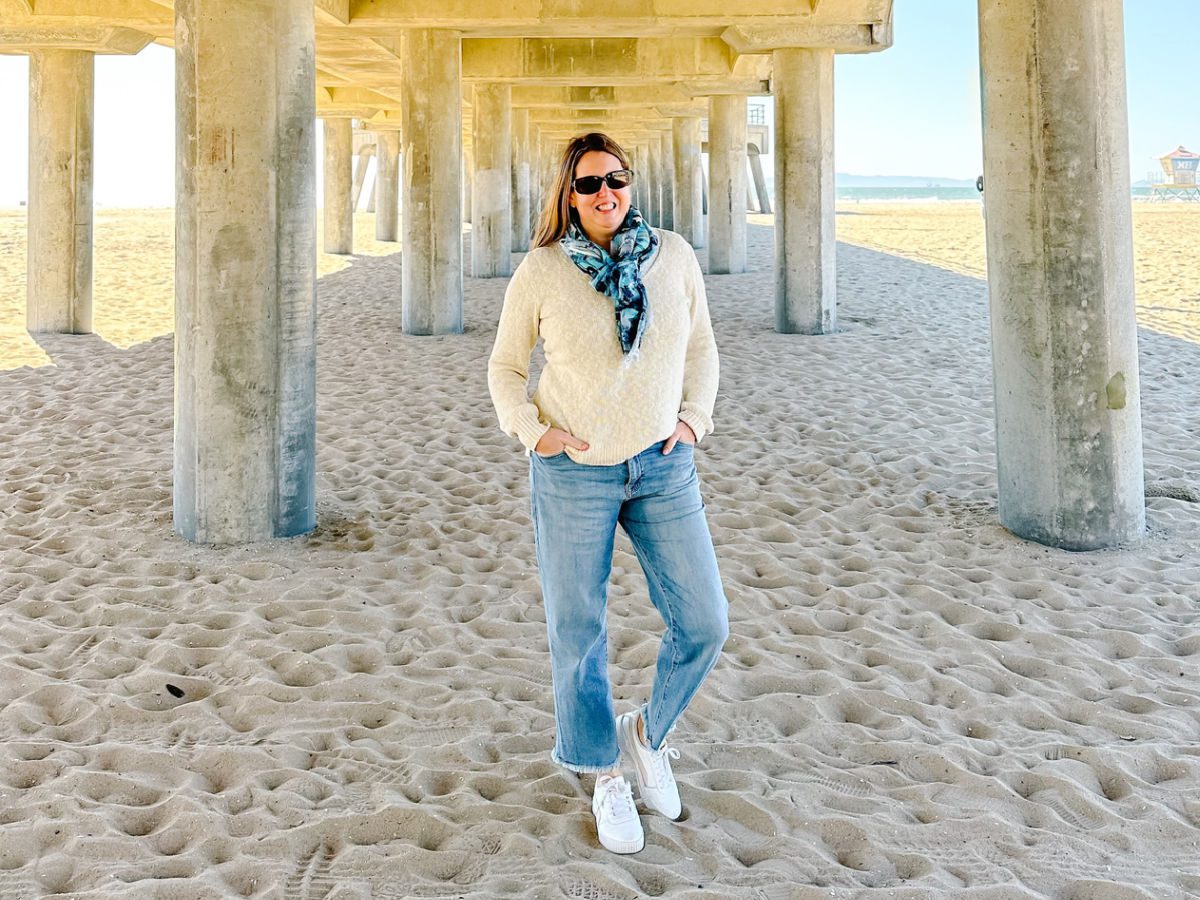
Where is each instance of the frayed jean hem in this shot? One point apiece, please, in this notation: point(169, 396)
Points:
point(583, 770)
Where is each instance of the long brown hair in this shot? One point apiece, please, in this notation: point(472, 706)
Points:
point(556, 213)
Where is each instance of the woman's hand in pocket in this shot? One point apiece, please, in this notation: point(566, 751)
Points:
point(683, 432)
point(555, 441)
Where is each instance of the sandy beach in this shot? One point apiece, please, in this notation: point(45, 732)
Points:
point(913, 703)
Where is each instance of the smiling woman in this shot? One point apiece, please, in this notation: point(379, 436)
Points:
point(611, 431)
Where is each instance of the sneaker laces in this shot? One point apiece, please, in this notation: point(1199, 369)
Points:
point(658, 760)
point(617, 796)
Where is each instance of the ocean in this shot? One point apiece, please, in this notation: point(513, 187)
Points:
point(928, 194)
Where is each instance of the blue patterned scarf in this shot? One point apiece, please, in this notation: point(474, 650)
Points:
point(619, 275)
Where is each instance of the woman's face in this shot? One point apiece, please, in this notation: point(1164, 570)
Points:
point(600, 214)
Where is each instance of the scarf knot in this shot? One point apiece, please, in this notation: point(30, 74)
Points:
point(618, 274)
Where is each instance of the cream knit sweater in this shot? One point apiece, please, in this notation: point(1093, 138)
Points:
point(587, 387)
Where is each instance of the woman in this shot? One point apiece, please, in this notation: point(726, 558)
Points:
point(626, 392)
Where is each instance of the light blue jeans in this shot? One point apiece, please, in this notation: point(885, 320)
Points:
point(576, 510)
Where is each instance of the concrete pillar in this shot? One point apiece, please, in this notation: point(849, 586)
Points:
point(667, 155)
point(59, 251)
point(387, 186)
point(1060, 271)
point(339, 173)
point(432, 119)
point(689, 218)
point(360, 175)
point(467, 176)
point(760, 183)
point(491, 218)
point(520, 180)
point(245, 270)
point(751, 200)
point(653, 154)
point(727, 184)
point(805, 288)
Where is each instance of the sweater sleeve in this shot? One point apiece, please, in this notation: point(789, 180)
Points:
point(701, 368)
point(508, 367)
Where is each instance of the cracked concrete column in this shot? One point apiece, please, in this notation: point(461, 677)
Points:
point(339, 184)
point(688, 213)
point(667, 156)
point(245, 270)
point(805, 245)
point(491, 219)
point(520, 180)
point(59, 251)
point(1060, 271)
point(432, 288)
point(387, 186)
point(727, 184)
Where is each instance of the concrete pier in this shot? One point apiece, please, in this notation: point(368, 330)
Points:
point(654, 155)
point(1060, 271)
point(727, 184)
point(245, 280)
point(666, 147)
point(339, 176)
point(387, 186)
point(520, 180)
point(760, 182)
point(688, 214)
point(360, 174)
point(432, 294)
point(491, 216)
point(59, 252)
point(805, 284)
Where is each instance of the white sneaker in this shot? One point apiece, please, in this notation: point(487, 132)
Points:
point(656, 783)
point(617, 820)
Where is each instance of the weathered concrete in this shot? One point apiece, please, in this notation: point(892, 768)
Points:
point(339, 175)
point(491, 216)
point(654, 154)
point(520, 180)
point(245, 277)
point(432, 293)
point(467, 175)
point(59, 251)
point(805, 244)
point(360, 174)
point(387, 186)
point(760, 182)
point(1060, 271)
point(666, 155)
point(688, 214)
point(641, 196)
point(727, 185)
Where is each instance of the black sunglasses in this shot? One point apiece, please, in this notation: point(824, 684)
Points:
point(590, 184)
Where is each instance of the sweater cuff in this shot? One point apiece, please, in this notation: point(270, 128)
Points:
point(697, 421)
point(529, 426)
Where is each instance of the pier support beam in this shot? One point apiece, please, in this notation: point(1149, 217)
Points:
point(360, 175)
point(727, 188)
point(1060, 271)
point(59, 252)
point(491, 219)
point(520, 180)
point(667, 155)
point(339, 177)
point(805, 245)
point(432, 288)
point(689, 215)
point(245, 270)
point(760, 182)
point(387, 186)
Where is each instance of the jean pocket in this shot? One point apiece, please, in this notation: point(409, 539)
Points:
point(551, 456)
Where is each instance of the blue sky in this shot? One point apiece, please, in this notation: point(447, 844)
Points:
point(911, 110)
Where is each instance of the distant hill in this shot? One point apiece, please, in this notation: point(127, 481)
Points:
point(841, 179)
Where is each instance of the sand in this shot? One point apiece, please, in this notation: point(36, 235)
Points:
point(913, 703)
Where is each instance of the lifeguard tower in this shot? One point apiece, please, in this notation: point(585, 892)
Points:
point(1180, 167)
